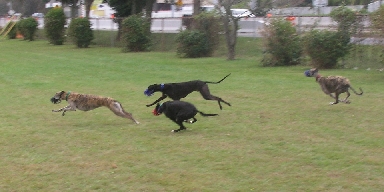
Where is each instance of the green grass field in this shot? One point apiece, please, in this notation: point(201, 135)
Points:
point(279, 135)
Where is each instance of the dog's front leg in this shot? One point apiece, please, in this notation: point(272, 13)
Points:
point(159, 99)
point(64, 109)
point(336, 98)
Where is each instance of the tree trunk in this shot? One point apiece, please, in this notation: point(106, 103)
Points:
point(196, 7)
point(88, 4)
point(133, 10)
point(230, 29)
point(74, 11)
point(148, 11)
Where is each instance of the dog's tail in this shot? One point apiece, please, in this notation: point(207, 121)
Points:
point(356, 91)
point(218, 81)
point(205, 115)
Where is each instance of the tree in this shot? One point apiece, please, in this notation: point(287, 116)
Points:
point(73, 5)
point(260, 7)
point(196, 7)
point(88, 4)
point(125, 8)
point(26, 8)
point(230, 24)
point(287, 3)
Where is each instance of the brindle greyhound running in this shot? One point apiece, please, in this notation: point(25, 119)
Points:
point(89, 102)
point(333, 84)
point(176, 91)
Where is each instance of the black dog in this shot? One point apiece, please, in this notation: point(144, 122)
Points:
point(176, 91)
point(179, 112)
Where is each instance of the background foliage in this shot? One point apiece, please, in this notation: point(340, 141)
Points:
point(136, 33)
point(282, 45)
point(80, 32)
point(54, 26)
point(27, 27)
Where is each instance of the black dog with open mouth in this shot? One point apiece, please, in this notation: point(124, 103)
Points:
point(178, 112)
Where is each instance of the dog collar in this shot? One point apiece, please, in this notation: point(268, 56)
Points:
point(66, 97)
point(162, 86)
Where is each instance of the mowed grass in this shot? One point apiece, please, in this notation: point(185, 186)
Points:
point(280, 134)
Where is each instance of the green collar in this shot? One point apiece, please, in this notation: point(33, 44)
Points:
point(66, 97)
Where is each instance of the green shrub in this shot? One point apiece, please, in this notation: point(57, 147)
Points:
point(80, 32)
point(281, 44)
point(345, 18)
point(54, 25)
point(208, 23)
point(28, 27)
point(192, 44)
point(325, 48)
point(377, 20)
point(136, 33)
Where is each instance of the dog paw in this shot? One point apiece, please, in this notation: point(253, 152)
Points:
point(347, 102)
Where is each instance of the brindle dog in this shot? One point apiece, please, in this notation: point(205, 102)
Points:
point(89, 102)
point(333, 84)
point(176, 91)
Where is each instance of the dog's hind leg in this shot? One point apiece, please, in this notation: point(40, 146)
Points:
point(118, 110)
point(193, 121)
point(204, 91)
point(346, 98)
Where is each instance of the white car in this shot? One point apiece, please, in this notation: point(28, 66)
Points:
point(242, 13)
point(38, 15)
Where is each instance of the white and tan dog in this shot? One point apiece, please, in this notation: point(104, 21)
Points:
point(89, 102)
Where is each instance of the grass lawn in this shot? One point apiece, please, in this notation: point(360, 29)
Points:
point(279, 135)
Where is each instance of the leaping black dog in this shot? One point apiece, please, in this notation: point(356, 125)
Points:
point(179, 112)
point(176, 91)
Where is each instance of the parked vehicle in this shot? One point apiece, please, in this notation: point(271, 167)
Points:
point(38, 15)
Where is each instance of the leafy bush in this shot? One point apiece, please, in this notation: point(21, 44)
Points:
point(325, 48)
point(192, 43)
point(346, 19)
point(208, 23)
point(377, 20)
point(80, 32)
point(281, 43)
point(136, 33)
point(28, 27)
point(54, 25)
point(204, 32)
